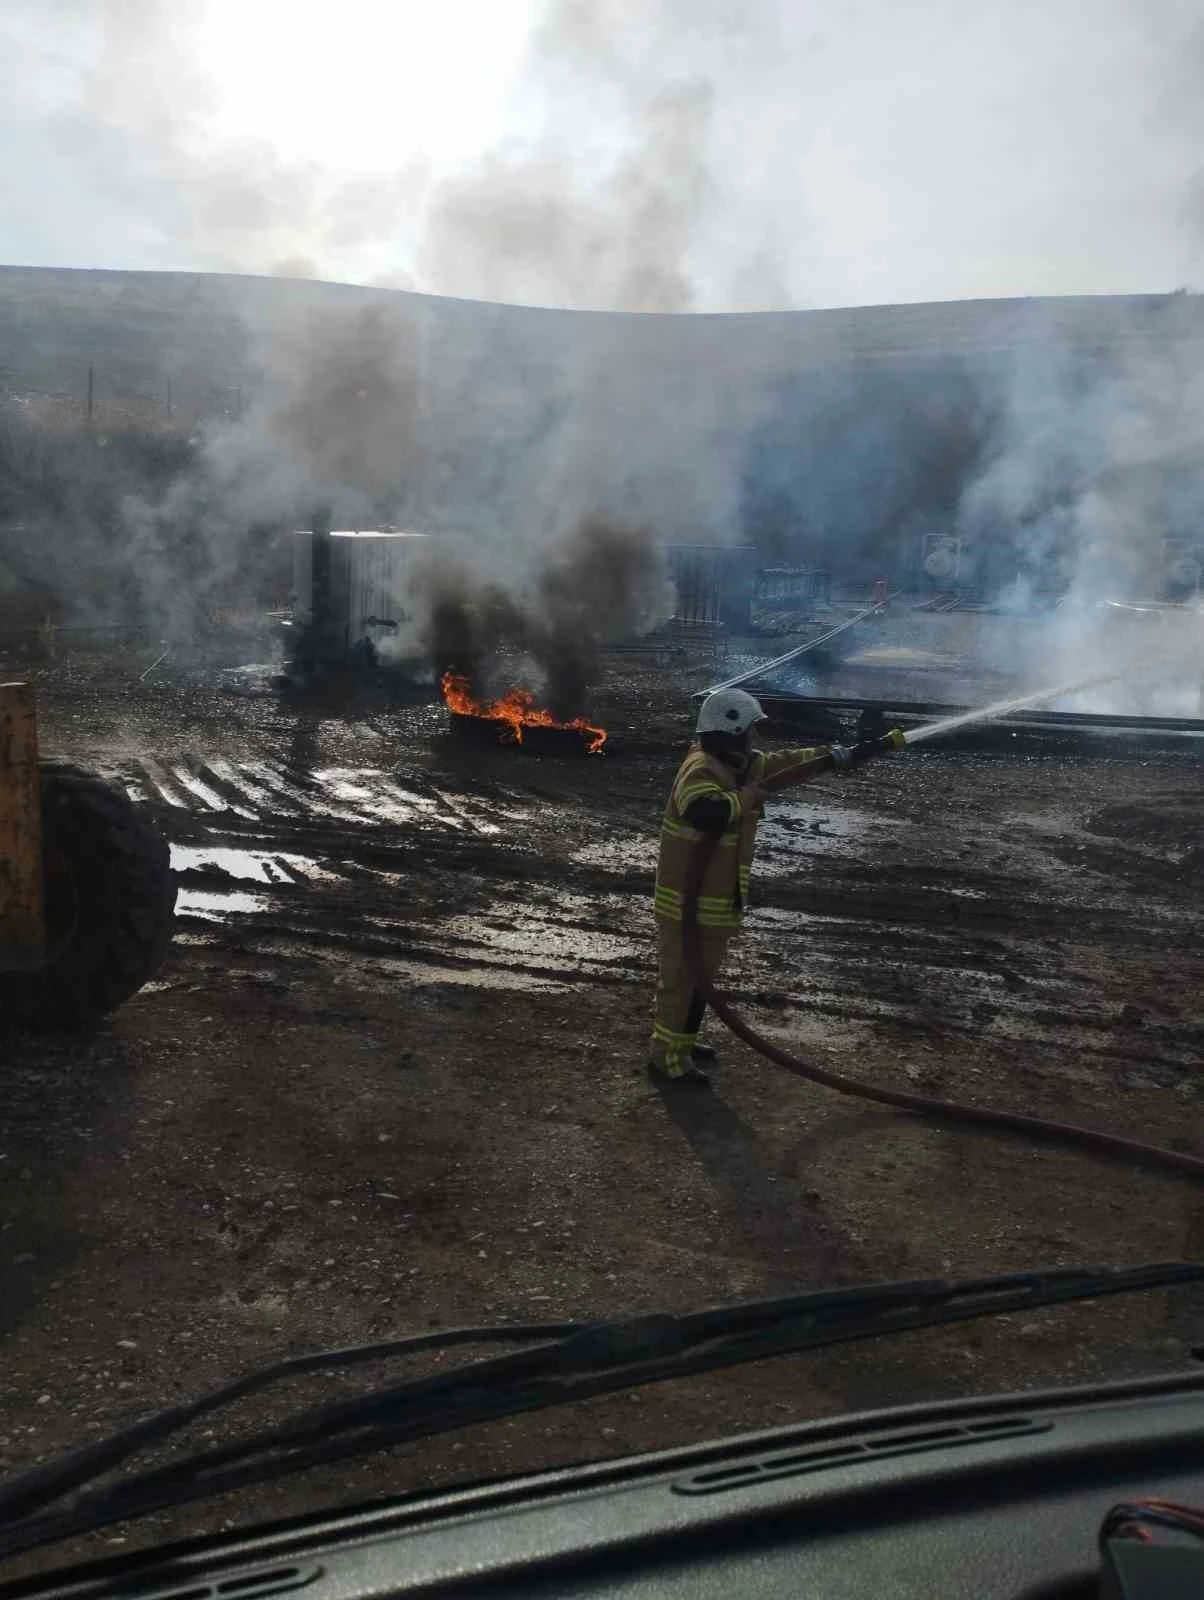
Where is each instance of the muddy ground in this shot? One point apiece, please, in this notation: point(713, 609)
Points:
point(391, 1078)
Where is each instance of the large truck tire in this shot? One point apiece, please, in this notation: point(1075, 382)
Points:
point(110, 905)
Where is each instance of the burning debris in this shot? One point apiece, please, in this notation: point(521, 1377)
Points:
point(596, 585)
point(515, 715)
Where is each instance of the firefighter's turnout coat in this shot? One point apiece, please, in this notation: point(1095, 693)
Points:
point(723, 894)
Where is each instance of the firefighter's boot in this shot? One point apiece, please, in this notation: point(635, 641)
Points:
point(686, 1072)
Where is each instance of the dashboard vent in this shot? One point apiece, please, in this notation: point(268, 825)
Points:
point(262, 1581)
point(789, 1463)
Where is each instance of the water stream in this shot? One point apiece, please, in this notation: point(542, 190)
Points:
point(1001, 708)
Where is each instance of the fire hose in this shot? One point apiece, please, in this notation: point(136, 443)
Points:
point(941, 1110)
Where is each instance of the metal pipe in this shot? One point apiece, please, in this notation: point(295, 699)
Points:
point(791, 655)
point(142, 676)
point(926, 710)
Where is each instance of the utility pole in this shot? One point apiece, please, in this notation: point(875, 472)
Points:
point(91, 391)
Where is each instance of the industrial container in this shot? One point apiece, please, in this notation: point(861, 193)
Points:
point(942, 557)
point(1182, 568)
point(791, 586)
point(713, 584)
point(370, 583)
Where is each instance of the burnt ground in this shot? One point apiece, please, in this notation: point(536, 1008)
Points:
point(391, 1077)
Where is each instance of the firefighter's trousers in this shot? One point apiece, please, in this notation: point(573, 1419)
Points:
point(679, 1009)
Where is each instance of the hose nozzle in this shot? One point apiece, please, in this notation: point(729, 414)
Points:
point(896, 739)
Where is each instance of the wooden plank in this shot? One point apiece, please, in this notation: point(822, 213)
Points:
point(22, 910)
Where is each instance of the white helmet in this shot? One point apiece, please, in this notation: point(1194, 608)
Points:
point(728, 711)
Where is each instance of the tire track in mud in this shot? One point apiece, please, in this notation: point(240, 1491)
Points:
point(390, 870)
point(278, 798)
point(404, 876)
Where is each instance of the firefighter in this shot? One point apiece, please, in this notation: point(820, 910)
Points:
point(717, 791)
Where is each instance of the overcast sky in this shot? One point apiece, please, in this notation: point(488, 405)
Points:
point(646, 154)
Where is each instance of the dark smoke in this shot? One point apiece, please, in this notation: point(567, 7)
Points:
point(849, 467)
point(594, 586)
point(134, 520)
point(591, 590)
point(347, 397)
point(468, 623)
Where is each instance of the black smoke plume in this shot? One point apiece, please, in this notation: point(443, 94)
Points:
point(593, 586)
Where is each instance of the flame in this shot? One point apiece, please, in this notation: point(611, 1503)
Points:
point(516, 707)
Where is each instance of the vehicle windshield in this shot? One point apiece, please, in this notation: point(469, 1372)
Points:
point(376, 517)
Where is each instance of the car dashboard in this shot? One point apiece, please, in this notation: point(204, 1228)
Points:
point(996, 1499)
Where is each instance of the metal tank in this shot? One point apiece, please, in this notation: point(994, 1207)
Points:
point(367, 575)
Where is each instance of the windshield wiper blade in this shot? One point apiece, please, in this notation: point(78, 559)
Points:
point(582, 1361)
point(24, 1492)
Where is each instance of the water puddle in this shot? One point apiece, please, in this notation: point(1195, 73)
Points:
point(521, 946)
point(426, 971)
point(259, 788)
point(538, 940)
point(619, 855)
point(286, 794)
point(902, 656)
point(1056, 824)
point(380, 797)
point(216, 905)
point(198, 787)
point(256, 678)
point(794, 830)
point(770, 919)
point(370, 794)
point(162, 785)
point(253, 866)
point(789, 831)
point(236, 778)
point(473, 977)
point(462, 814)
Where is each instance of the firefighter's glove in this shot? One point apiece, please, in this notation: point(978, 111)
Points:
point(868, 748)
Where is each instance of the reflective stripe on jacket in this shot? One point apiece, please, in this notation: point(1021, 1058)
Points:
point(724, 890)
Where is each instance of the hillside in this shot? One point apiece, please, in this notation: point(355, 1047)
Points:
point(142, 332)
point(841, 439)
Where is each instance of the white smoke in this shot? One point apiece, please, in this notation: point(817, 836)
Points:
point(236, 201)
point(667, 155)
point(1094, 482)
point(638, 153)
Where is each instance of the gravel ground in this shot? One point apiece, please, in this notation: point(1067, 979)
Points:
point(391, 1078)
